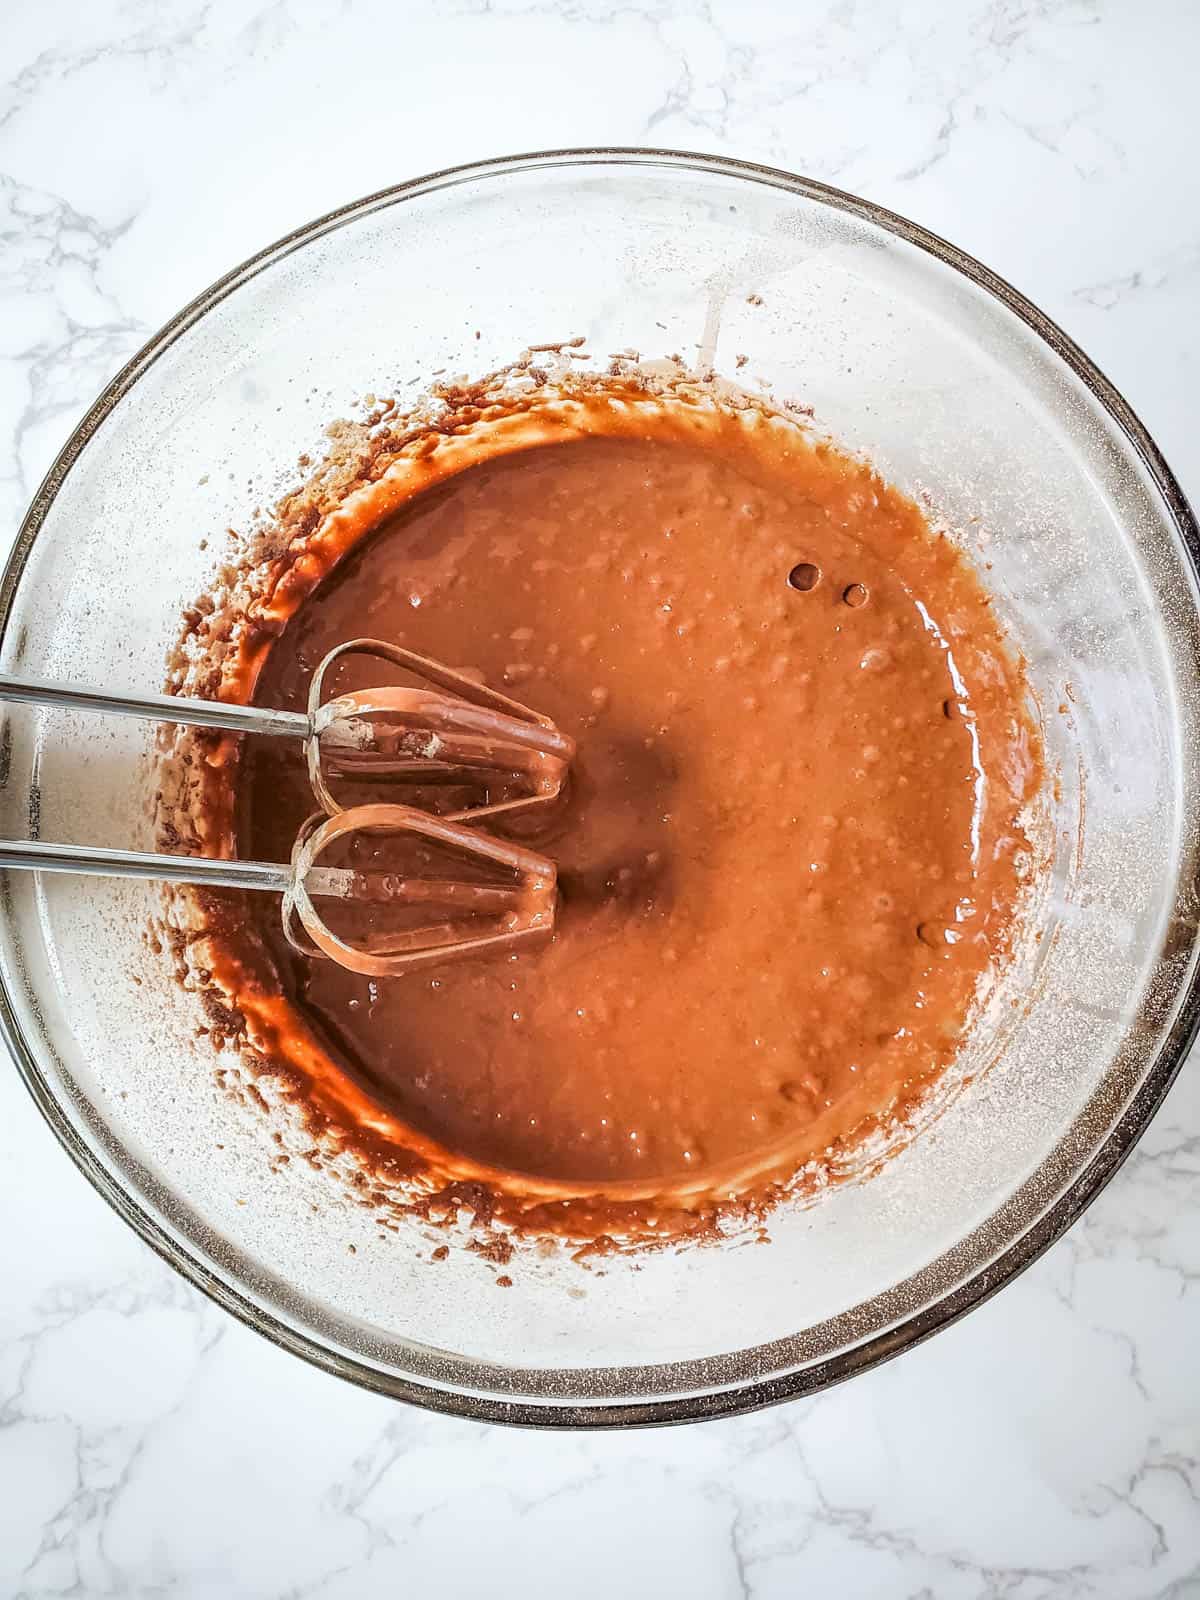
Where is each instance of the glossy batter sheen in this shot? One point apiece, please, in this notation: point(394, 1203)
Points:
point(791, 851)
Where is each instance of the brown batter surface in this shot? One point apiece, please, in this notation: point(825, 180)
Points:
point(791, 853)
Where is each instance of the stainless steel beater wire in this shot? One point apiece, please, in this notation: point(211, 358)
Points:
point(46, 857)
point(158, 707)
point(103, 863)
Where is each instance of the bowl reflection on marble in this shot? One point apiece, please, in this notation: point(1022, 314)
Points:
point(962, 394)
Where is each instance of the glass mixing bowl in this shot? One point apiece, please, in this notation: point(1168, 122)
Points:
point(962, 393)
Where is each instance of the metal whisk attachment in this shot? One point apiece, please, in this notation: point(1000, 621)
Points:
point(444, 729)
point(515, 900)
point(447, 729)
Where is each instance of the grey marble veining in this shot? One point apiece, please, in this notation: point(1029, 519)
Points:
point(1048, 1447)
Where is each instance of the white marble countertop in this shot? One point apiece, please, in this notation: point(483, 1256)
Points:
point(149, 1445)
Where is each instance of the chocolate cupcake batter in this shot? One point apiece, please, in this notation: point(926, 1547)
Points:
point(791, 855)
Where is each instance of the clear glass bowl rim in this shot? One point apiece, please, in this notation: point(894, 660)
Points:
point(1077, 1195)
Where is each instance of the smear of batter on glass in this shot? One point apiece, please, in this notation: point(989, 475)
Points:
point(793, 853)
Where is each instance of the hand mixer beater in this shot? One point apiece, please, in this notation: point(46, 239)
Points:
point(444, 729)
